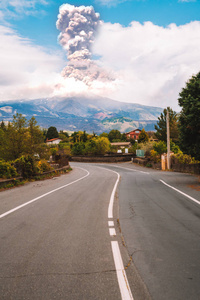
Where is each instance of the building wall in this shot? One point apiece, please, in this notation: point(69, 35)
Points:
point(133, 134)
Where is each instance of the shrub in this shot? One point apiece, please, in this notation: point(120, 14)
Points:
point(155, 156)
point(174, 148)
point(26, 166)
point(7, 170)
point(43, 166)
point(160, 147)
point(147, 147)
point(181, 158)
point(53, 151)
point(133, 148)
point(78, 149)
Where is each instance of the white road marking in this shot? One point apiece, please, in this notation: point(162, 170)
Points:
point(144, 172)
point(110, 223)
point(134, 170)
point(121, 274)
point(37, 198)
point(110, 207)
point(112, 231)
point(191, 198)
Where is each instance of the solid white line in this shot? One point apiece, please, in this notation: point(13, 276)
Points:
point(110, 207)
point(191, 198)
point(112, 231)
point(121, 274)
point(110, 223)
point(35, 199)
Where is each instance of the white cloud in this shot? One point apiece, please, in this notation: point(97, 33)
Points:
point(110, 3)
point(152, 62)
point(15, 8)
point(26, 70)
point(186, 0)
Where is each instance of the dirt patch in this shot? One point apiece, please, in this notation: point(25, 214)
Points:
point(194, 187)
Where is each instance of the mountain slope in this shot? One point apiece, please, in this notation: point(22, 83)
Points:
point(90, 113)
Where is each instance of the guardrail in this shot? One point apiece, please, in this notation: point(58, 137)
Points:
point(5, 182)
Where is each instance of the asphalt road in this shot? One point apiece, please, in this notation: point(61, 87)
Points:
point(59, 245)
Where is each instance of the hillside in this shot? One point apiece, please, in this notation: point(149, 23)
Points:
point(91, 113)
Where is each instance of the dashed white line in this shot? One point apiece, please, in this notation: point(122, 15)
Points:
point(112, 231)
point(191, 198)
point(37, 198)
point(110, 223)
point(121, 274)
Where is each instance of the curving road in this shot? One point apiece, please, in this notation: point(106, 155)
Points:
point(85, 235)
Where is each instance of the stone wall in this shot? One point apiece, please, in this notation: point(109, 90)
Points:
point(103, 158)
point(186, 168)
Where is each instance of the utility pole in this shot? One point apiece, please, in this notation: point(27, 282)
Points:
point(168, 141)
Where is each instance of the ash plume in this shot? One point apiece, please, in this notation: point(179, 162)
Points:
point(78, 26)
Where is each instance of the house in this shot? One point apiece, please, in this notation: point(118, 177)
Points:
point(121, 145)
point(55, 141)
point(134, 134)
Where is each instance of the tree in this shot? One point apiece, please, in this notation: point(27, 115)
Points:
point(143, 137)
point(35, 137)
point(114, 135)
point(161, 128)
point(78, 148)
point(84, 137)
point(16, 137)
point(104, 134)
point(103, 145)
point(3, 126)
point(52, 133)
point(189, 120)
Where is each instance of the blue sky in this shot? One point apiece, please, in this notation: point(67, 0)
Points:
point(38, 24)
point(171, 52)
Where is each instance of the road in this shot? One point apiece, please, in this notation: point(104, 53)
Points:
point(60, 237)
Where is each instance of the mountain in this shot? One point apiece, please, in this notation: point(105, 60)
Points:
point(90, 113)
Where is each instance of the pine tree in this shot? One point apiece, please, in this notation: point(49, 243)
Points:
point(161, 129)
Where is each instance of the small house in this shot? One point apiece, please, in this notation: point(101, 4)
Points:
point(55, 141)
point(134, 134)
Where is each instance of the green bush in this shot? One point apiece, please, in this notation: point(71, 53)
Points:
point(7, 170)
point(181, 158)
point(43, 166)
point(78, 149)
point(26, 166)
point(133, 148)
point(160, 147)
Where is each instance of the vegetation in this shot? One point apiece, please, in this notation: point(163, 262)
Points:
point(161, 129)
point(7, 170)
point(52, 133)
point(189, 120)
point(143, 137)
point(23, 151)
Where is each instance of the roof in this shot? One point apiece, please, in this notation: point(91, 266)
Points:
point(121, 144)
point(53, 140)
point(133, 130)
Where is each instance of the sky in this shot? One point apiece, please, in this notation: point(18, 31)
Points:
point(138, 51)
